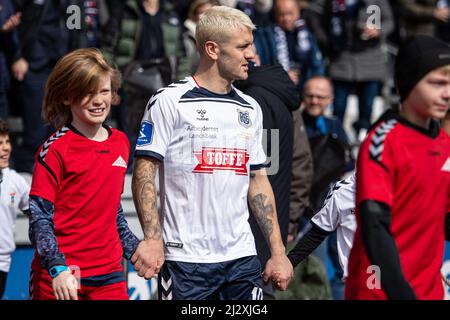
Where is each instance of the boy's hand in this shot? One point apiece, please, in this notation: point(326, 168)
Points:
point(65, 286)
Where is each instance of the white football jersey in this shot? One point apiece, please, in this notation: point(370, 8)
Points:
point(13, 197)
point(208, 143)
point(338, 213)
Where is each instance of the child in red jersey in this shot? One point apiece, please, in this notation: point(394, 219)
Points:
point(403, 185)
point(76, 219)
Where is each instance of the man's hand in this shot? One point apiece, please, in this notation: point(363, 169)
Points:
point(148, 258)
point(65, 286)
point(11, 23)
point(370, 33)
point(20, 69)
point(280, 270)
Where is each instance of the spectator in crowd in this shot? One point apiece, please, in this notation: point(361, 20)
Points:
point(317, 98)
point(277, 96)
point(352, 35)
point(443, 23)
point(195, 10)
point(8, 50)
point(331, 159)
point(94, 16)
point(145, 30)
point(422, 16)
point(257, 10)
point(43, 39)
point(290, 43)
point(13, 198)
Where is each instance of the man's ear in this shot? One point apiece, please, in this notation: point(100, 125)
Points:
point(212, 50)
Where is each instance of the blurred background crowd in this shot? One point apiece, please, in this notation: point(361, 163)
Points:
point(327, 49)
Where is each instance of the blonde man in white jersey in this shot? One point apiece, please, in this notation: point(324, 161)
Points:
point(208, 136)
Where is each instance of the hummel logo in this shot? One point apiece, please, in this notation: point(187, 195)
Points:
point(202, 113)
point(446, 166)
point(166, 289)
point(120, 163)
point(377, 143)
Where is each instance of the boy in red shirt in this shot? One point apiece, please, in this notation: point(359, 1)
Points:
point(76, 218)
point(403, 185)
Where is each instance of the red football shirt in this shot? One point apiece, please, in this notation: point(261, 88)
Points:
point(410, 172)
point(84, 180)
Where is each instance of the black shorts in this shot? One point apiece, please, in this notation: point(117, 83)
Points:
point(238, 279)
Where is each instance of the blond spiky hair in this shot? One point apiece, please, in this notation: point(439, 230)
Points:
point(215, 25)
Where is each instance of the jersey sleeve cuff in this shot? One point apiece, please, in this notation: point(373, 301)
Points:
point(320, 229)
point(148, 154)
point(254, 167)
point(55, 262)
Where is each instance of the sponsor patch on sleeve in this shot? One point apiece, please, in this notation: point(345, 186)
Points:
point(145, 133)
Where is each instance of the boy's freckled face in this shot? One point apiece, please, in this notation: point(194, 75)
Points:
point(5, 151)
point(94, 108)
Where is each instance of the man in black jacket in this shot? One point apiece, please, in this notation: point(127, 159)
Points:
point(277, 95)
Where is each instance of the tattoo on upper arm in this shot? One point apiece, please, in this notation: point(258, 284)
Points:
point(263, 214)
point(144, 196)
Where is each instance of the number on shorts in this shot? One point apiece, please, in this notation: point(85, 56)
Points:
point(257, 293)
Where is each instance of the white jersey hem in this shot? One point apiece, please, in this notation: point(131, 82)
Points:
point(210, 259)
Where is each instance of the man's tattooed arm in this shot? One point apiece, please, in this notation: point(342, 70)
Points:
point(144, 196)
point(262, 204)
point(263, 214)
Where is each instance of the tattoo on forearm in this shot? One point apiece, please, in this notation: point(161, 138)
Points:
point(144, 197)
point(263, 214)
